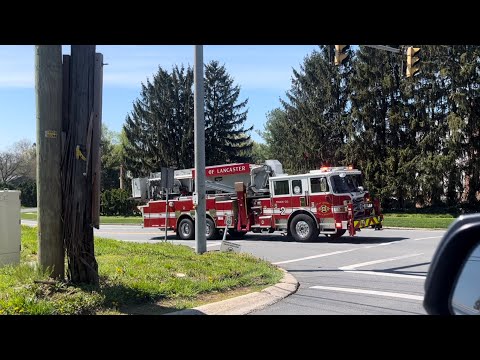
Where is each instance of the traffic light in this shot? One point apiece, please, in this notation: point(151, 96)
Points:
point(341, 53)
point(413, 61)
point(331, 54)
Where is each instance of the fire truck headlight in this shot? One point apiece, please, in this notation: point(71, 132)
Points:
point(339, 209)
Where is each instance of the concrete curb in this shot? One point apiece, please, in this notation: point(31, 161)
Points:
point(245, 304)
point(410, 228)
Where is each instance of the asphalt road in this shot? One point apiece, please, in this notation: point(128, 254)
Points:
point(375, 272)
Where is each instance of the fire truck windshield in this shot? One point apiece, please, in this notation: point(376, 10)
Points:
point(345, 184)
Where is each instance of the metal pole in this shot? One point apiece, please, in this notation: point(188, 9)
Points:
point(199, 134)
point(166, 216)
point(48, 88)
point(121, 176)
point(386, 48)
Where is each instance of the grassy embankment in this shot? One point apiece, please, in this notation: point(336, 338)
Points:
point(134, 278)
point(429, 221)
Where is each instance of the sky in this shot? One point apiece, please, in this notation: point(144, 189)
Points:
point(263, 73)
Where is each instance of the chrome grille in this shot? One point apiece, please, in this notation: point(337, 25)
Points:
point(358, 208)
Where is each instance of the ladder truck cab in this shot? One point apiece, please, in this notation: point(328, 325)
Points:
point(255, 198)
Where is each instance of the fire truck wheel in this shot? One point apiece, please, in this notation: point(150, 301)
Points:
point(337, 235)
point(186, 231)
point(303, 228)
point(211, 231)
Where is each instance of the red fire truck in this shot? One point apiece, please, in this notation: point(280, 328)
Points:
point(245, 198)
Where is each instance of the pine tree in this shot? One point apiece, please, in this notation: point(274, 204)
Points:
point(159, 130)
point(281, 138)
point(226, 138)
point(380, 134)
point(426, 97)
point(317, 110)
point(111, 158)
point(260, 151)
point(461, 70)
point(417, 140)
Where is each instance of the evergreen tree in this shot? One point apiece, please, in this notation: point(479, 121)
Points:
point(280, 135)
point(461, 69)
point(159, 130)
point(378, 130)
point(426, 96)
point(417, 140)
point(226, 138)
point(316, 111)
point(111, 158)
point(260, 152)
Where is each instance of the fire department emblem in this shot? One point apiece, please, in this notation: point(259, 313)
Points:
point(324, 209)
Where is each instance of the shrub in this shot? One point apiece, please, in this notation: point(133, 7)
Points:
point(117, 202)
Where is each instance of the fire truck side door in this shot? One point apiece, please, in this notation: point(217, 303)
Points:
point(289, 195)
point(320, 196)
point(281, 199)
point(299, 193)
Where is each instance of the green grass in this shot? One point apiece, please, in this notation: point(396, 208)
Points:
point(29, 216)
point(121, 220)
point(29, 244)
point(103, 219)
point(429, 221)
point(164, 276)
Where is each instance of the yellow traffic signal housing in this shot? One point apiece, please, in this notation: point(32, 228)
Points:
point(340, 54)
point(413, 61)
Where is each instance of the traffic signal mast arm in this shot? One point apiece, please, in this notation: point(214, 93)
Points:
point(386, 48)
point(340, 52)
point(413, 60)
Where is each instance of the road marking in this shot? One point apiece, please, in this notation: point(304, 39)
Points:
point(355, 266)
point(370, 292)
point(179, 242)
point(159, 234)
point(328, 254)
point(314, 256)
point(103, 233)
point(431, 237)
point(381, 273)
point(382, 244)
point(133, 226)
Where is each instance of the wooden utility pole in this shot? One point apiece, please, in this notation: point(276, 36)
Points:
point(48, 89)
point(81, 161)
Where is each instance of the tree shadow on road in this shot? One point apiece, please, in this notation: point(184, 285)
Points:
point(323, 239)
point(401, 270)
point(362, 240)
point(283, 238)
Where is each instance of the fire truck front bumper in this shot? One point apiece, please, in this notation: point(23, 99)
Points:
point(373, 221)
